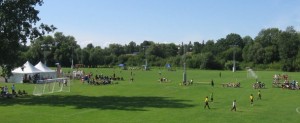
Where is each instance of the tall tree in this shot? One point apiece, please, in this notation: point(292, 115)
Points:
point(197, 47)
point(18, 19)
point(269, 40)
point(65, 47)
point(288, 48)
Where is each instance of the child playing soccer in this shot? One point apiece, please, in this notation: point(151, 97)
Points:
point(206, 103)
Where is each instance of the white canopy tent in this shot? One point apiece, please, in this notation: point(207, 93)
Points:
point(27, 71)
point(46, 72)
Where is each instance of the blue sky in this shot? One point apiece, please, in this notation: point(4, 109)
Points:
point(103, 22)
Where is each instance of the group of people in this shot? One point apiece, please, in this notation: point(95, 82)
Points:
point(33, 78)
point(259, 84)
point(5, 92)
point(100, 79)
point(234, 106)
point(291, 85)
point(163, 79)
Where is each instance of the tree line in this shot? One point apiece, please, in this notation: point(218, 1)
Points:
point(272, 49)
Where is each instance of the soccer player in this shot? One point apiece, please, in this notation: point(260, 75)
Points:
point(13, 89)
point(233, 105)
point(251, 99)
point(259, 94)
point(206, 103)
point(212, 97)
point(212, 83)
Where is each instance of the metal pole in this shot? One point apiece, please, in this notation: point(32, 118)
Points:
point(44, 48)
point(234, 63)
point(146, 64)
point(72, 58)
point(233, 69)
point(146, 61)
point(45, 57)
point(184, 65)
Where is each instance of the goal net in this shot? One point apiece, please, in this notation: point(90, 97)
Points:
point(49, 86)
point(251, 74)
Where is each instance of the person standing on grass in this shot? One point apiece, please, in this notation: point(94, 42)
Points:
point(131, 79)
point(13, 89)
point(212, 83)
point(206, 103)
point(251, 99)
point(259, 95)
point(233, 105)
point(212, 97)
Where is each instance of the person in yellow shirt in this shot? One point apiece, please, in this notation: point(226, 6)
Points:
point(206, 103)
point(251, 99)
point(259, 95)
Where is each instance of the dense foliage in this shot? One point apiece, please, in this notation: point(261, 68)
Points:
point(18, 23)
point(270, 49)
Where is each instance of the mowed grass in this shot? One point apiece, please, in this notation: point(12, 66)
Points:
point(147, 100)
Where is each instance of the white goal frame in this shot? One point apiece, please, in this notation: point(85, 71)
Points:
point(49, 86)
point(251, 74)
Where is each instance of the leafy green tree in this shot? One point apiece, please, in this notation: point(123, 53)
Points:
point(42, 49)
point(234, 39)
point(288, 48)
point(247, 40)
point(209, 47)
point(197, 47)
point(248, 43)
point(269, 38)
point(222, 45)
point(18, 20)
point(116, 49)
point(65, 47)
point(131, 48)
point(297, 62)
point(171, 50)
point(96, 56)
point(133, 61)
point(156, 50)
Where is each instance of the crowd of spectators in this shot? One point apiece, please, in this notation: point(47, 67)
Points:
point(100, 79)
point(5, 93)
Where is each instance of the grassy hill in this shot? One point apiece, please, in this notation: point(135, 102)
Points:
point(147, 100)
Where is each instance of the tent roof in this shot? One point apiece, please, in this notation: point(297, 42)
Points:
point(43, 67)
point(27, 68)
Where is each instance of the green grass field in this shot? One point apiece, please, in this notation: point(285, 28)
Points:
point(147, 100)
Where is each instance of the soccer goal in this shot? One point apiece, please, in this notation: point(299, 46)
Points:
point(49, 86)
point(251, 74)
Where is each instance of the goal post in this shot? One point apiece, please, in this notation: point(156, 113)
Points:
point(49, 86)
point(251, 74)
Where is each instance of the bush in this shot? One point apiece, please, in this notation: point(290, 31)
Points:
point(274, 66)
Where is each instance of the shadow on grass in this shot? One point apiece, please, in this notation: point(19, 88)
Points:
point(138, 103)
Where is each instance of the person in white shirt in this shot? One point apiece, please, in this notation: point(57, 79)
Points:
point(233, 105)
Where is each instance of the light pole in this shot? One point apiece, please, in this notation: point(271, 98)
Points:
point(233, 67)
point(72, 55)
point(146, 62)
point(45, 47)
point(184, 64)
